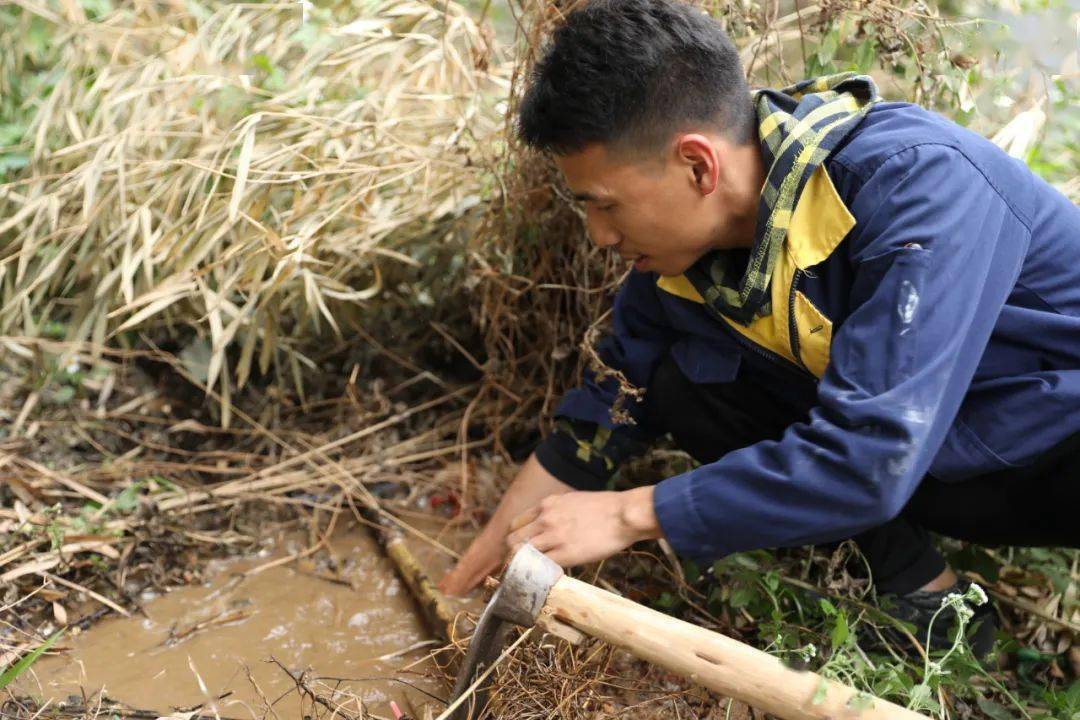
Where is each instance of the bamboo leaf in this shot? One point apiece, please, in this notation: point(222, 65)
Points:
point(8, 676)
point(242, 168)
point(149, 311)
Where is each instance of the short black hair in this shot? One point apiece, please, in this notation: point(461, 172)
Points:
point(632, 72)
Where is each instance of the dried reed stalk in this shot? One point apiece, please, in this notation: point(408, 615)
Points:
point(243, 175)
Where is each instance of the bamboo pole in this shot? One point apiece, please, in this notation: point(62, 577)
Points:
point(434, 608)
point(715, 661)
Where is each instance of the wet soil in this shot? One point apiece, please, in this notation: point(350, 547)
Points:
point(254, 626)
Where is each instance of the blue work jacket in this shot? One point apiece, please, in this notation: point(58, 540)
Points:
point(928, 294)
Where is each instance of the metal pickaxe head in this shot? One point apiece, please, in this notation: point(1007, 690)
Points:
point(518, 600)
point(525, 585)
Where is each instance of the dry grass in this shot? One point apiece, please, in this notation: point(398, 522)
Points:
point(242, 175)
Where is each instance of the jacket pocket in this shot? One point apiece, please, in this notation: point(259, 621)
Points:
point(815, 335)
point(705, 362)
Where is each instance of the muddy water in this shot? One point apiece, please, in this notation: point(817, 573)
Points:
point(356, 622)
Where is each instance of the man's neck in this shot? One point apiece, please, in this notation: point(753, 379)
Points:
point(746, 196)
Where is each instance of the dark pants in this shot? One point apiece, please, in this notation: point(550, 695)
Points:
point(1034, 505)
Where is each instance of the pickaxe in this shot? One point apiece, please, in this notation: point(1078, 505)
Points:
point(534, 591)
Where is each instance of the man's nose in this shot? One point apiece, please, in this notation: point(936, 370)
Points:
point(603, 234)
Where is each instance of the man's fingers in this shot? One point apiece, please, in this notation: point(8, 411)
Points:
point(544, 543)
point(454, 584)
point(516, 538)
point(460, 580)
point(525, 518)
point(560, 556)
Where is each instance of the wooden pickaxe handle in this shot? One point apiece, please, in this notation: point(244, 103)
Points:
point(717, 662)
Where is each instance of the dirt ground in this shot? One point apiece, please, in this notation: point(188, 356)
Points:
point(185, 571)
point(153, 564)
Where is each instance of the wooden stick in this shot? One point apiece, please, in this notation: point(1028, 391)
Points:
point(437, 613)
point(47, 561)
point(715, 661)
point(75, 485)
point(76, 586)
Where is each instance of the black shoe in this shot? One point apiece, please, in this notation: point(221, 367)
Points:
point(916, 609)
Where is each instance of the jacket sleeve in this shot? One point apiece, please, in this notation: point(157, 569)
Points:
point(587, 445)
point(935, 253)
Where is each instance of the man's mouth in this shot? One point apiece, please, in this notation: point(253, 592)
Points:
point(638, 260)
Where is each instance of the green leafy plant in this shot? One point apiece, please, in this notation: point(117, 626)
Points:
point(20, 666)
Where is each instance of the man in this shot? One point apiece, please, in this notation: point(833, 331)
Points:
point(862, 319)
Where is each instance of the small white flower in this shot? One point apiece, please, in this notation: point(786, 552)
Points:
point(976, 594)
point(951, 599)
point(72, 367)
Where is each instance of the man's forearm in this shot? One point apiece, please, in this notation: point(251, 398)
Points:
point(532, 484)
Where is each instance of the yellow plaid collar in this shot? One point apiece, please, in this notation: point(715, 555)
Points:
point(798, 128)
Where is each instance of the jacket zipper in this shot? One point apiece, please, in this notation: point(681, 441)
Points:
point(793, 327)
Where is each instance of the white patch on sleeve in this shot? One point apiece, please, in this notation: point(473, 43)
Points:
point(909, 303)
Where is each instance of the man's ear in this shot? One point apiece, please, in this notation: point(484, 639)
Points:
point(702, 158)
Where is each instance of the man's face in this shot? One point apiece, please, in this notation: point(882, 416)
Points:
point(652, 212)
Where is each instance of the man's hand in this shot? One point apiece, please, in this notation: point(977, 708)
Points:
point(486, 553)
point(580, 527)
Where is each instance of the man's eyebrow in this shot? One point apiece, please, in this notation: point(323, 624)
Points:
point(586, 197)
